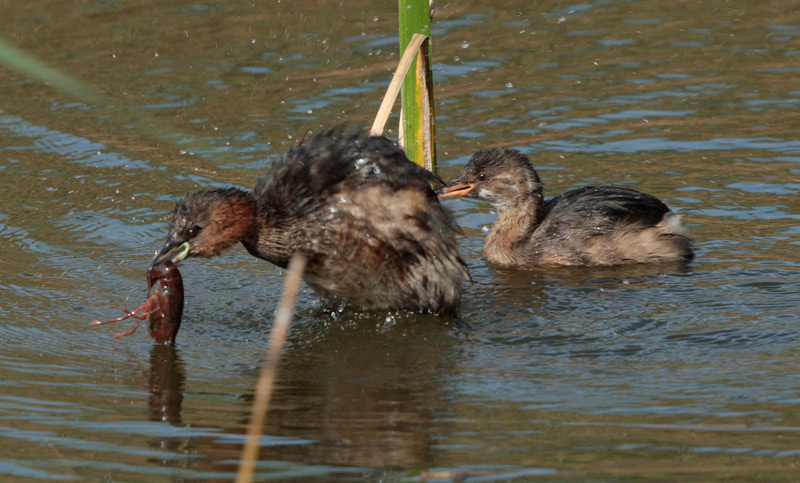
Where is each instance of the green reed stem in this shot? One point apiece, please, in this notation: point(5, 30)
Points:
point(417, 93)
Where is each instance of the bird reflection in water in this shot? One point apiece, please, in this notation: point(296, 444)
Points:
point(364, 392)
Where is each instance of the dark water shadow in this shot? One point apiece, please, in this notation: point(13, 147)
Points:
point(368, 390)
point(523, 296)
point(356, 390)
point(579, 275)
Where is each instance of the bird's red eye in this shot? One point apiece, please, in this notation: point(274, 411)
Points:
point(194, 231)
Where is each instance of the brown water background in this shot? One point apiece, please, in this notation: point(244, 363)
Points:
point(635, 373)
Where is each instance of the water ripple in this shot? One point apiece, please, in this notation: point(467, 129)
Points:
point(69, 146)
point(640, 145)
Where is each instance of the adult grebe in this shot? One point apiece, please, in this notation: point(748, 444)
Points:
point(367, 219)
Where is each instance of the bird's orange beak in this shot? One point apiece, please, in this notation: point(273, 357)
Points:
point(454, 190)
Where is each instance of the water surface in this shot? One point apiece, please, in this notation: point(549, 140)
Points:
point(660, 372)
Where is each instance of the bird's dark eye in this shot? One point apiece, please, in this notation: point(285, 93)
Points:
point(194, 231)
point(482, 177)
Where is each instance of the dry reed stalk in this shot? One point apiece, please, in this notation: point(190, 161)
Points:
point(266, 380)
point(397, 81)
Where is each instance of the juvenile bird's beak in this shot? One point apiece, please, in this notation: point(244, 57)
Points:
point(456, 188)
point(174, 252)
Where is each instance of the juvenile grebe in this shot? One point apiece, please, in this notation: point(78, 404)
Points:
point(594, 225)
point(368, 220)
